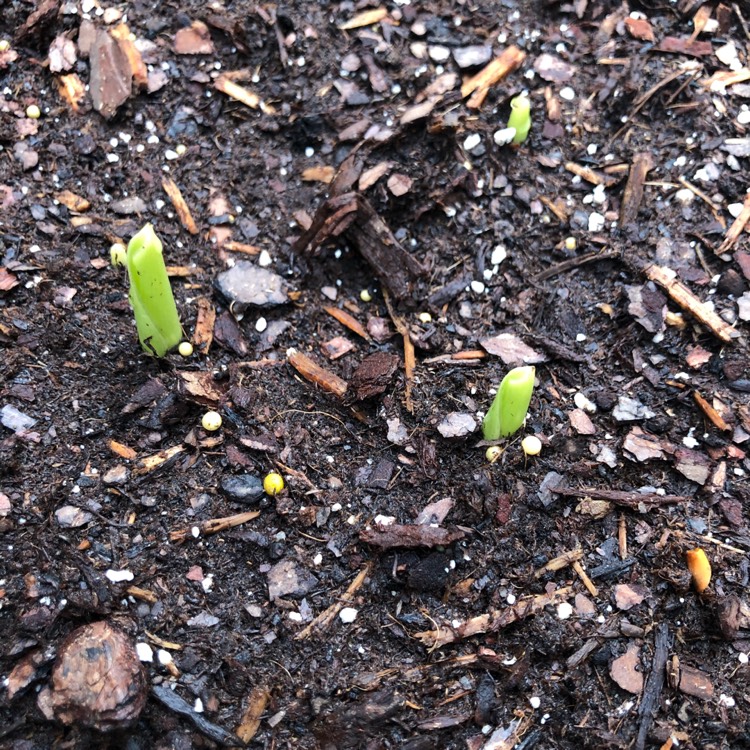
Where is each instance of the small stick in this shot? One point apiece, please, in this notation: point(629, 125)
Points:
point(622, 537)
point(633, 195)
point(559, 562)
point(314, 373)
point(588, 174)
point(242, 95)
point(347, 320)
point(204, 324)
point(183, 212)
point(409, 357)
point(716, 419)
point(325, 618)
point(214, 525)
point(492, 73)
point(570, 264)
point(654, 684)
point(619, 497)
point(240, 247)
point(737, 227)
point(680, 294)
point(143, 594)
point(587, 582)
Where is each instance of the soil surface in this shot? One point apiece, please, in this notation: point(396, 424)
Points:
point(401, 591)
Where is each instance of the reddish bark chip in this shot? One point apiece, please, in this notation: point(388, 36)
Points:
point(624, 670)
point(194, 40)
point(98, 680)
point(373, 375)
point(640, 28)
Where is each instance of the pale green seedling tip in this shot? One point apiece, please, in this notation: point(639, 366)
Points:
point(151, 298)
point(508, 411)
point(520, 117)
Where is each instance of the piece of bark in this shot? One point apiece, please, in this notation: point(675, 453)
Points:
point(314, 373)
point(492, 73)
point(373, 375)
point(41, 16)
point(684, 46)
point(716, 419)
point(623, 670)
point(203, 334)
point(643, 162)
point(681, 295)
point(138, 69)
point(110, 83)
point(71, 89)
point(654, 684)
point(98, 680)
point(410, 536)
point(256, 705)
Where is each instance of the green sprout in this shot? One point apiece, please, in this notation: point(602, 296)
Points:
point(520, 117)
point(508, 411)
point(151, 298)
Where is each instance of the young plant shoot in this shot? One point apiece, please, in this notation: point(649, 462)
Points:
point(520, 117)
point(508, 411)
point(151, 298)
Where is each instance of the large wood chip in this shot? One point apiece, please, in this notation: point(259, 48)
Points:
point(138, 69)
point(633, 195)
point(110, 82)
point(347, 320)
point(410, 535)
point(203, 334)
point(256, 705)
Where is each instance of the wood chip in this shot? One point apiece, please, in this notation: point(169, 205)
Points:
point(256, 705)
point(559, 562)
point(71, 89)
point(492, 73)
point(194, 40)
point(348, 321)
point(121, 450)
point(242, 95)
point(72, 202)
point(204, 325)
point(138, 69)
point(214, 525)
point(319, 174)
point(241, 247)
point(410, 536)
point(370, 176)
point(716, 419)
point(681, 295)
point(366, 18)
point(158, 460)
point(624, 670)
point(643, 162)
point(314, 373)
point(183, 212)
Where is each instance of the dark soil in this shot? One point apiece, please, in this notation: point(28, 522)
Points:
point(551, 674)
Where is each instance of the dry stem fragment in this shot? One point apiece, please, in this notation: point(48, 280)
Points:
point(314, 373)
point(680, 294)
point(410, 359)
point(242, 95)
point(633, 194)
point(153, 462)
point(716, 419)
point(559, 562)
point(587, 582)
point(72, 90)
point(348, 321)
point(215, 525)
point(183, 212)
point(736, 229)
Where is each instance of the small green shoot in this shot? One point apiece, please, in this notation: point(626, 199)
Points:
point(508, 411)
point(151, 298)
point(520, 117)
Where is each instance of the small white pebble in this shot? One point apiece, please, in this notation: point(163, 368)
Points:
point(318, 559)
point(164, 657)
point(144, 652)
point(295, 617)
point(381, 520)
point(583, 403)
point(735, 209)
point(499, 254)
point(336, 507)
point(564, 610)
point(113, 158)
point(535, 701)
point(261, 324)
point(567, 94)
point(195, 531)
point(596, 222)
point(171, 155)
point(743, 657)
point(425, 317)
point(580, 337)
point(208, 582)
point(180, 149)
point(118, 576)
point(348, 615)
point(743, 118)
point(511, 599)
point(198, 706)
point(504, 137)
point(264, 259)
point(477, 287)
point(472, 141)
point(726, 700)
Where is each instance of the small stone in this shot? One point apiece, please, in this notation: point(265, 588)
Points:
point(624, 670)
point(144, 651)
point(247, 284)
point(288, 578)
point(628, 595)
point(457, 424)
point(71, 517)
point(472, 55)
point(203, 620)
point(119, 576)
point(348, 615)
point(630, 410)
point(116, 475)
point(564, 610)
point(128, 206)
point(245, 488)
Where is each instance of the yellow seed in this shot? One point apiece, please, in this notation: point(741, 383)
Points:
point(117, 254)
point(699, 567)
point(211, 421)
point(185, 349)
point(365, 295)
point(33, 112)
point(273, 483)
point(425, 317)
point(4, 45)
point(180, 149)
point(493, 453)
point(532, 445)
point(570, 243)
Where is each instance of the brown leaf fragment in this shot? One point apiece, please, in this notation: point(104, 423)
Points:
point(373, 375)
point(512, 350)
point(256, 705)
point(7, 280)
point(183, 212)
point(194, 40)
point(640, 28)
point(200, 387)
point(553, 69)
point(110, 83)
point(410, 535)
point(492, 73)
point(684, 46)
point(97, 680)
point(324, 174)
point(370, 176)
point(696, 683)
point(642, 446)
point(314, 373)
point(624, 670)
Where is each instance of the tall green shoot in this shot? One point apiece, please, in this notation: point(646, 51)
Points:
point(511, 404)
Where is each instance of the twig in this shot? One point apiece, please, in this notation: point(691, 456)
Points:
point(736, 229)
point(587, 582)
point(680, 294)
point(324, 619)
point(214, 525)
point(716, 419)
point(633, 195)
point(619, 497)
point(743, 23)
point(409, 356)
point(569, 265)
point(559, 562)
